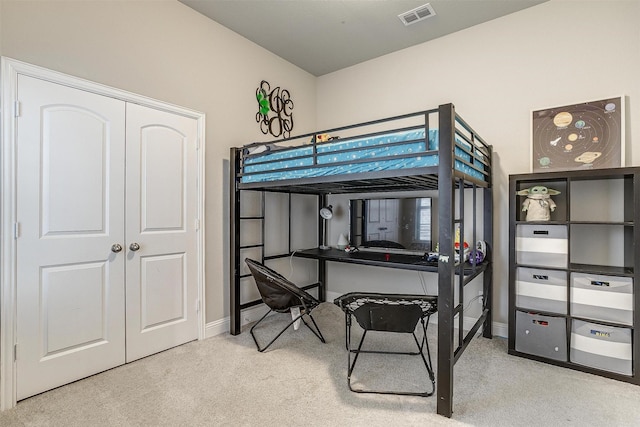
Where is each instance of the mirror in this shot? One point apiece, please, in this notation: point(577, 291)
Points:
point(392, 223)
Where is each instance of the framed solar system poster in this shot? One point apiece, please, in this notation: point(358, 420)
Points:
point(589, 135)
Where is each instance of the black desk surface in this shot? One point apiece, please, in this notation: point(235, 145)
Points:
point(380, 259)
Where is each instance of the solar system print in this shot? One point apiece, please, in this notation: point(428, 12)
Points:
point(579, 136)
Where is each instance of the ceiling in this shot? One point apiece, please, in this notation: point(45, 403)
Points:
point(322, 36)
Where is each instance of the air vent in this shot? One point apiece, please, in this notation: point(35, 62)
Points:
point(418, 14)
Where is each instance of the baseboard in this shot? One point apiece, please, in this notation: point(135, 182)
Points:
point(222, 326)
point(252, 314)
point(216, 327)
point(500, 329)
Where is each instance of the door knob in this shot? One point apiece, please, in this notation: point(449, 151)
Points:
point(116, 248)
point(134, 247)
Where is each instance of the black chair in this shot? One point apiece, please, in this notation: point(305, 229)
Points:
point(389, 313)
point(281, 296)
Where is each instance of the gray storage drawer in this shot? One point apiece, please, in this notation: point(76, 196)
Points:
point(542, 245)
point(602, 347)
point(544, 336)
point(544, 290)
point(598, 297)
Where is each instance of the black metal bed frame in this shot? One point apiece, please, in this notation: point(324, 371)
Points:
point(445, 179)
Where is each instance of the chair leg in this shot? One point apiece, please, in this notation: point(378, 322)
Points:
point(421, 345)
point(254, 336)
point(425, 343)
point(318, 334)
point(347, 332)
point(352, 365)
point(315, 331)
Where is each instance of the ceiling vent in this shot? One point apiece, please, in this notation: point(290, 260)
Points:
point(418, 14)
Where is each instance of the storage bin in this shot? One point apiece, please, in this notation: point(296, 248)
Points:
point(542, 245)
point(540, 335)
point(598, 297)
point(544, 290)
point(602, 347)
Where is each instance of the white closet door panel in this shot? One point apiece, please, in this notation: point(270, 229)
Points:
point(161, 203)
point(163, 169)
point(70, 210)
point(71, 295)
point(71, 185)
point(163, 290)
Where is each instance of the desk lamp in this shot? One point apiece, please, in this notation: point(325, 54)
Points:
point(326, 213)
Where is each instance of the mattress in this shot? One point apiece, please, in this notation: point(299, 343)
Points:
point(391, 151)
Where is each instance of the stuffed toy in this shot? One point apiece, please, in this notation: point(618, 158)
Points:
point(320, 137)
point(538, 203)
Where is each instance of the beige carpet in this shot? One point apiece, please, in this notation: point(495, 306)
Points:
point(224, 381)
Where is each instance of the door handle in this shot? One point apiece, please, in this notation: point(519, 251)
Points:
point(117, 247)
point(134, 247)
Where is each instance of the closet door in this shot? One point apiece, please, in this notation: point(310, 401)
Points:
point(70, 214)
point(161, 200)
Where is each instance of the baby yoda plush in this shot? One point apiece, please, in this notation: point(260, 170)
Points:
point(538, 203)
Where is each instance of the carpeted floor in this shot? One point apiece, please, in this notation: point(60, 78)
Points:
point(224, 381)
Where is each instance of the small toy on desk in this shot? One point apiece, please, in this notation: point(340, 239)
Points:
point(464, 244)
point(480, 254)
point(538, 203)
point(435, 256)
point(465, 250)
point(474, 257)
point(465, 254)
point(431, 256)
point(350, 249)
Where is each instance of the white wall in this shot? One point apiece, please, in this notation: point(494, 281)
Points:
point(556, 53)
point(1, 29)
point(560, 52)
point(164, 50)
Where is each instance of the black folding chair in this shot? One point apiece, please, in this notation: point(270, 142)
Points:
point(281, 296)
point(389, 313)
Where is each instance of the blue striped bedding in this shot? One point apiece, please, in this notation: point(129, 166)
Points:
point(349, 156)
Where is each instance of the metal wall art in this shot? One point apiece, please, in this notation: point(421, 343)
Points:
point(275, 110)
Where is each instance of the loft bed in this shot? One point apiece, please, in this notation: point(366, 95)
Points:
point(387, 155)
